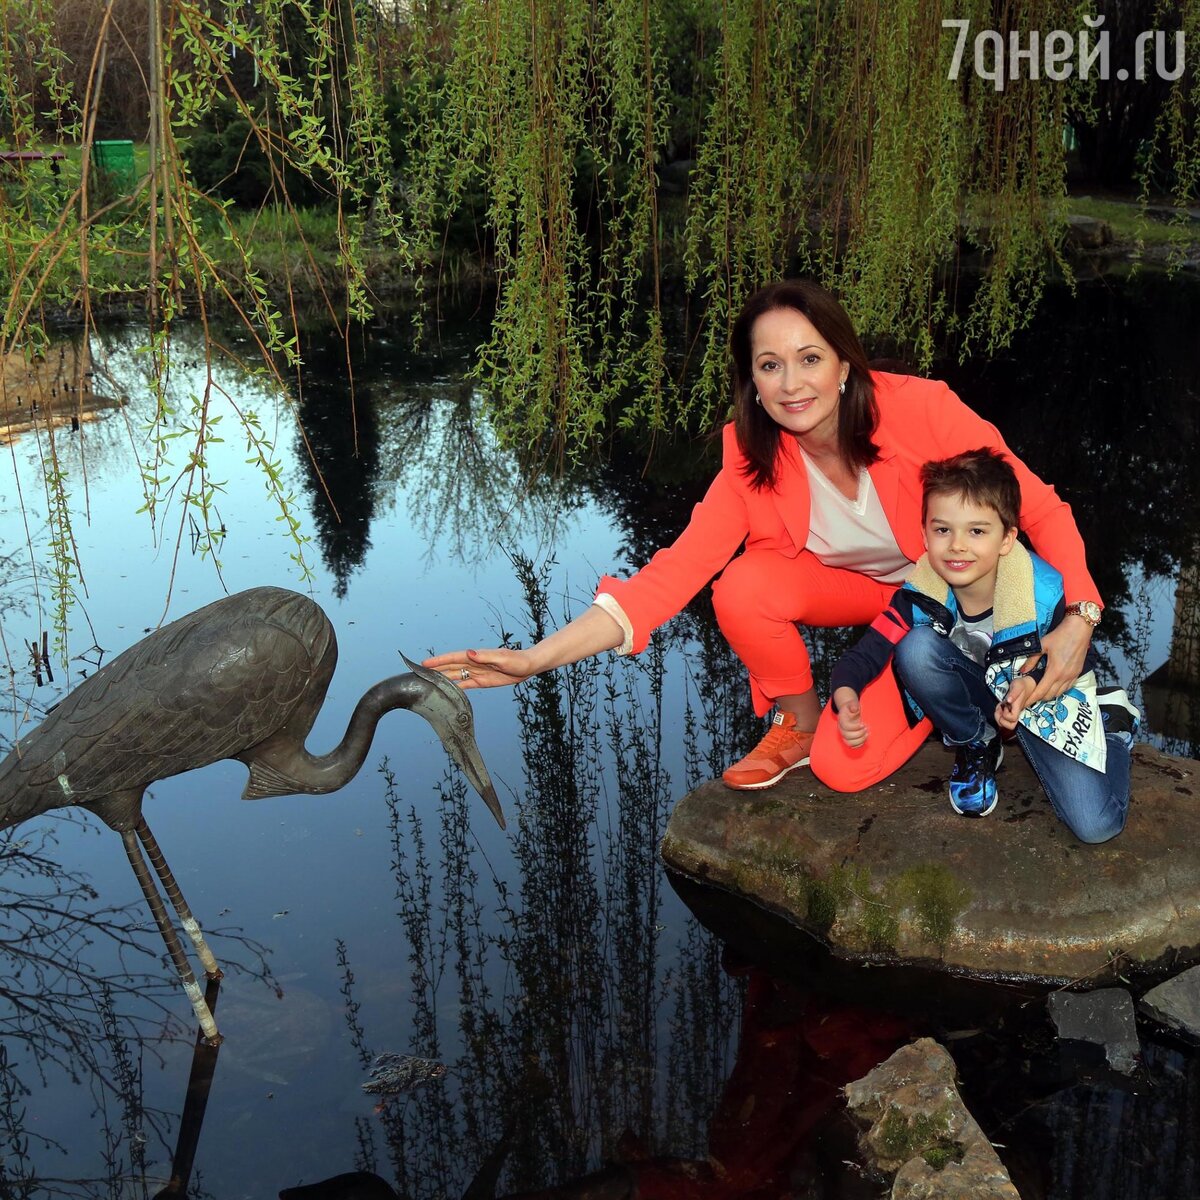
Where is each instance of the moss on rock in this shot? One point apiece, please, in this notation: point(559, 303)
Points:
point(821, 906)
point(843, 903)
point(900, 1137)
point(873, 917)
point(936, 897)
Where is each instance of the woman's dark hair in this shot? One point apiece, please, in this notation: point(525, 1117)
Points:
point(858, 415)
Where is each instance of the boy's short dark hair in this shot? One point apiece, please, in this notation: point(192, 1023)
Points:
point(982, 477)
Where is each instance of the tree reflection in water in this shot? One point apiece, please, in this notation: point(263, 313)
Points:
point(50, 986)
point(580, 1015)
point(406, 430)
point(62, 1014)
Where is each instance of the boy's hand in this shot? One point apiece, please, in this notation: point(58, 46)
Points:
point(1018, 698)
point(1065, 648)
point(850, 722)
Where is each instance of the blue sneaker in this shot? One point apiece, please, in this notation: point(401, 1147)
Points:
point(973, 779)
point(1117, 713)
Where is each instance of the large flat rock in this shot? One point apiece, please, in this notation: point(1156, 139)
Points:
point(893, 874)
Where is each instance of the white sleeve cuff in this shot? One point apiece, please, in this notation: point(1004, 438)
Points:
point(609, 604)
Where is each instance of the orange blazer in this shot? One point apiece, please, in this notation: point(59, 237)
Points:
point(919, 420)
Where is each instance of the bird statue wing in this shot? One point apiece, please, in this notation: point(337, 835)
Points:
point(204, 688)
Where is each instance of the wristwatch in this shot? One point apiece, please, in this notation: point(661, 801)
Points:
point(1089, 610)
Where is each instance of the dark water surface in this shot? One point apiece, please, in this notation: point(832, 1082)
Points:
point(584, 1017)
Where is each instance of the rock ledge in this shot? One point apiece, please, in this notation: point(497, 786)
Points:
point(894, 875)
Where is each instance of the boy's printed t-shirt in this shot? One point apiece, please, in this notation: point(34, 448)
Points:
point(1074, 728)
point(973, 636)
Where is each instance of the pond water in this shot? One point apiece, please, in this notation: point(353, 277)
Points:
point(583, 1015)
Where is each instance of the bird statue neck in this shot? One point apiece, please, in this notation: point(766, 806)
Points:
point(281, 766)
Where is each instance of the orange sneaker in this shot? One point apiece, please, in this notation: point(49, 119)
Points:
point(782, 749)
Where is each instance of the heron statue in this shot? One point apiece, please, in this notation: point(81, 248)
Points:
point(244, 678)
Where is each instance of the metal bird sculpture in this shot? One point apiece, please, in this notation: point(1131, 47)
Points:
point(241, 678)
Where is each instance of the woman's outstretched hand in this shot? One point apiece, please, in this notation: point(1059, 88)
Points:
point(483, 668)
point(589, 633)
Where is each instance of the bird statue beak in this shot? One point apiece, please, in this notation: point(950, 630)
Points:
point(448, 710)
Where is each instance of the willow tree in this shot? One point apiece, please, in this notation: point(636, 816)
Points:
point(855, 140)
point(314, 111)
point(862, 141)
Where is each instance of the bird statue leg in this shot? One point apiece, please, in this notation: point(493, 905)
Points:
point(184, 969)
point(190, 925)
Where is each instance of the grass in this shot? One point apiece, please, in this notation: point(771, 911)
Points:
point(1130, 225)
point(297, 253)
point(298, 247)
point(293, 252)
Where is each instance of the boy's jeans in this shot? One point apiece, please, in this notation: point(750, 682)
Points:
point(950, 688)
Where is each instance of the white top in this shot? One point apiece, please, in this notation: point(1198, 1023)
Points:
point(852, 534)
point(611, 605)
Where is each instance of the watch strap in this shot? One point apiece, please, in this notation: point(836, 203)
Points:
point(1089, 610)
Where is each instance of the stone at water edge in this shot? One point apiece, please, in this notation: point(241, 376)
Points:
point(1103, 1019)
point(917, 1128)
point(1176, 1003)
point(1088, 233)
point(892, 874)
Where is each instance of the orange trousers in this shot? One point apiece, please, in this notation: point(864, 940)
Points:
point(759, 598)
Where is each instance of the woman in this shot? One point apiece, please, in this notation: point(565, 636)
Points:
point(820, 481)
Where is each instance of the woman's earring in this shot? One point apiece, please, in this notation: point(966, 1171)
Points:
point(842, 388)
point(758, 398)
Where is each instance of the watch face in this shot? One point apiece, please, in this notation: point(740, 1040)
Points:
point(1089, 610)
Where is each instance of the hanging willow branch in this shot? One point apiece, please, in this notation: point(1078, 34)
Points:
point(916, 158)
point(849, 139)
point(836, 140)
point(315, 113)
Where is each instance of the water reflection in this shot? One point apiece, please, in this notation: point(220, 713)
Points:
point(1172, 691)
point(50, 981)
point(583, 1018)
point(1068, 1128)
point(49, 390)
point(563, 1008)
point(340, 457)
point(195, 1104)
point(379, 421)
point(67, 1015)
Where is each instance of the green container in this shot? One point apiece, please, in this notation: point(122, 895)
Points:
point(113, 164)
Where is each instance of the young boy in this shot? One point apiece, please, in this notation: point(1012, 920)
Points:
point(974, 608)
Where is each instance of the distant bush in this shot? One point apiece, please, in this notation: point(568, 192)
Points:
point(225, 158)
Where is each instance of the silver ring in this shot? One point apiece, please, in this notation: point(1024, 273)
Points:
point(463, 673)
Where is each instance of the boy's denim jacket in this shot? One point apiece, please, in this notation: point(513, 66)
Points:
point(1028, 603)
